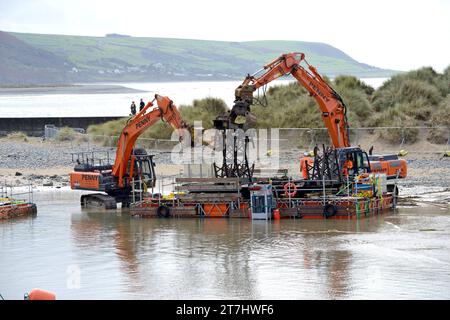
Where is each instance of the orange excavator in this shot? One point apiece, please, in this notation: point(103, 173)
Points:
point(131, 164)
point(332, 107)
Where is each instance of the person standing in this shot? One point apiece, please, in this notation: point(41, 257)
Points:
point(133, 108)
point(141, 105)
point(306, 162)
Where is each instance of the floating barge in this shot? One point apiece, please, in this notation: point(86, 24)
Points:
point(265, 199)
point(12, 207)
point(15, 209)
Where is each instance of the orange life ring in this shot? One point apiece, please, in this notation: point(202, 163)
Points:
point(290, 186)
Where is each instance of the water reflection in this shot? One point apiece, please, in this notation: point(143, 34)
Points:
point(226, 255)
point(401, 255)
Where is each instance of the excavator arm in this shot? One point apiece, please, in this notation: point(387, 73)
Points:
point(331, 104)
point(333, 108)
point(165, 111)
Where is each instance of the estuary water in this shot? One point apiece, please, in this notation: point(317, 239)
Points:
point(118, 104)
point(108, 255)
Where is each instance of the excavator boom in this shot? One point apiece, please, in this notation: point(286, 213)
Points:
point(166, 111)
point(331, 104)
point(130, 164)
point(332, 107)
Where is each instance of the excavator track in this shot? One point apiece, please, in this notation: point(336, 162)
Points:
point(98, 201)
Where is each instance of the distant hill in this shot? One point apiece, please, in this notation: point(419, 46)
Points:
point(23, 63)
point(42, 58)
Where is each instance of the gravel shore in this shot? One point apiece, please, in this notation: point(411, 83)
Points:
point(49, 163)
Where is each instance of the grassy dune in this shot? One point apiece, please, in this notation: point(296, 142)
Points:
point(204, 110)
point(417, 98)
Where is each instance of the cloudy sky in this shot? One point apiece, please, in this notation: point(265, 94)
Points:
point(396, 34)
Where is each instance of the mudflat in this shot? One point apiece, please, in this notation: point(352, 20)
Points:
point(67, 89)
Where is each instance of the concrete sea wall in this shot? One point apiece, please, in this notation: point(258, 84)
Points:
point(35, 126)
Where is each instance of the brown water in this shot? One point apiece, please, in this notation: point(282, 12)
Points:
point(89, 255)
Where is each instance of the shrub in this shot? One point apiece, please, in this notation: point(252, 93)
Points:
point(288, 107)
point(110, 128)
point(205, 110)
point(401, 133)
point(81, 138)
point(291, 106)
point(18, 136)
point(430, 76)
point(441, 119)
point(438, 135)
point(442, 115)
point(395, 117)
point(359, 109)
point(401, 90)
point(411, 90)
point(350, 82)
point(210, 105)
point(66, 134)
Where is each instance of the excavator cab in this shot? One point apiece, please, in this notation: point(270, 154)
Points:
point(142, 168)
point(146, 169)
point(353, 161)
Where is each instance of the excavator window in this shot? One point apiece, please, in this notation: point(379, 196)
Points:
point(366, 162)
point(145, 170)
point(359, 161)
point(362, 162)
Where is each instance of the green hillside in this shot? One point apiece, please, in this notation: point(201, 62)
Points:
point(24, 63)
point(123, 58)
